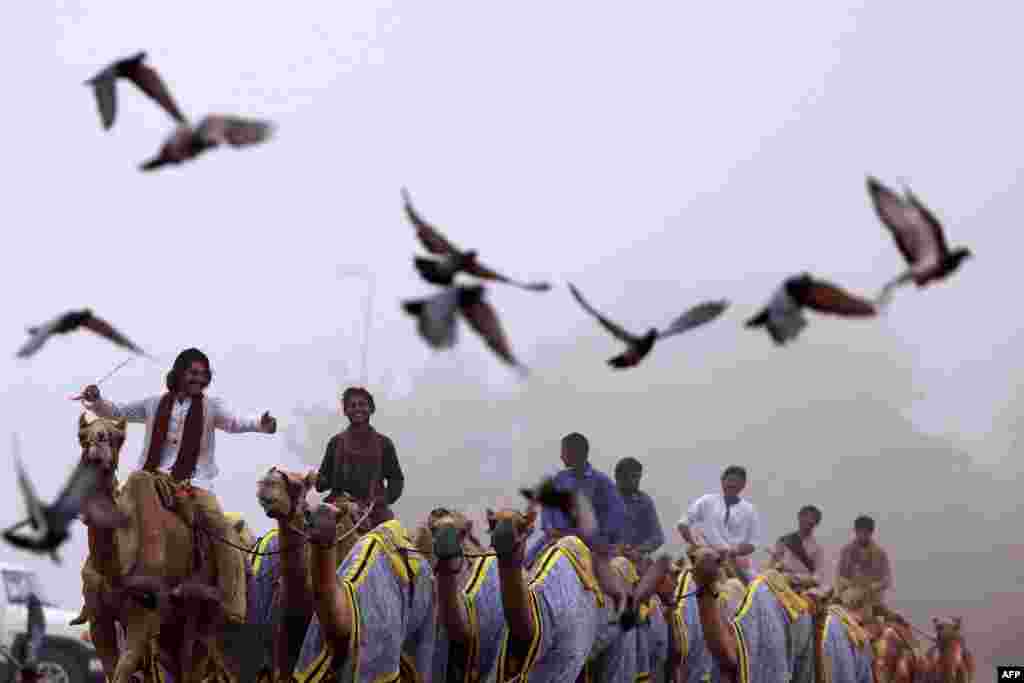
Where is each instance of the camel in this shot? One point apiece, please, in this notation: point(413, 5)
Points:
point(282, 585)
point(897, 657)
point(553, 613)
point(145, 576)
point(778, 634)
point(374, 616)
point(468, 598)
point(645, 611)
point(949, 660)
point(689, 660)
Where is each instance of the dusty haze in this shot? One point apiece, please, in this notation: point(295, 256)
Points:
point(653, 156)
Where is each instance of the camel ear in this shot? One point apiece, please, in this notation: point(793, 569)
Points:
point(492, 521)
point(82, 422)
point(121, 424)
point(310, 479)
point(239, 525)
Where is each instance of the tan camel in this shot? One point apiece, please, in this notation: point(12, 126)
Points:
point(949, 660)
point(897, 655)
point(144, 575)
point(282, 494)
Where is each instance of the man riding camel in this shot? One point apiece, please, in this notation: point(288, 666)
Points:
point(799, 553)
point(362, 462)
point(642, 532)
point(179, 445)
point(864, 565)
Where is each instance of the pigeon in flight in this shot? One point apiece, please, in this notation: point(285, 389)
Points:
point(918, 235)
point(69, 322)
point(783, 317)
point(80, 496)
point(104, 85)
point(187, 142)
point(638, 346)
point(572, 504)
point(436, 320)
point(442, 271)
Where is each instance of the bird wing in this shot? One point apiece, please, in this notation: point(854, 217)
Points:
point(484, 320)
point(934, 225)
point(36, 629)
point(38, 337)
point(481, 271)
point(908, 226)
point(429, 236)
point(104, 88)
point(619, 333)
point(825, 297)
point(436, 318)
point(698, 315)
point(106, 330)
point(80, 486)
point(149, 81)
point(36, 512)
point(236, 131)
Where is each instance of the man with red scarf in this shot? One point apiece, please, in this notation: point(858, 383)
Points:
point(361, 461)
point(180, 427)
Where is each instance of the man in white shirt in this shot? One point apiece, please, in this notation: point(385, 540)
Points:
point(180, 443)
point(726, 523)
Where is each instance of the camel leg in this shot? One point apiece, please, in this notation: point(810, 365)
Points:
point(140, 626)
point(104, 638)
point(718, 635)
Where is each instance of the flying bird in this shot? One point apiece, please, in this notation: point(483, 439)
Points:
point(573, 504)
point(69, 322)
point(187, 142)
point(436, 320)
point(104, 85)
point(783, 317)
point(638, 346)
point(453, 260)
point(918, 235)
point(51, 523)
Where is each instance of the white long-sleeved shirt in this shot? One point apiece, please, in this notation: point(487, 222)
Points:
point(215, 416)
point(707, 515)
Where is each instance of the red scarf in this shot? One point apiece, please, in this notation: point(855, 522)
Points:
point(188, 451)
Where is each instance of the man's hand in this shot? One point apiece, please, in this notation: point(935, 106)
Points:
point(268, 423)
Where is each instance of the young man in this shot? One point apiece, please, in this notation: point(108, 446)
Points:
point(361, 461)
point(642, 533)
point(726, 522)
point(799, 553)
point(180, 427)
point(863, 564)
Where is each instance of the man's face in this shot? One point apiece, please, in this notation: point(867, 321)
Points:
point(806, 521)
point(629, 482)
point(193, 381)
point(863, 536)
point(357, 409)
point(571, 458)
point(732, 485)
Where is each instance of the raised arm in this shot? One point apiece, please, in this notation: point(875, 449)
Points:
point(134, 411)
point(228, 421)
point(392, 472)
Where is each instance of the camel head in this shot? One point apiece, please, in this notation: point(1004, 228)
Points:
point(321, 523)
point(947, 630)
point(707, 566)
point(509, 529)
point(282, 494)
point(101, 440)
point(442, 517)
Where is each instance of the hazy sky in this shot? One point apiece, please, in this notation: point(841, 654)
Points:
point(654, 156)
